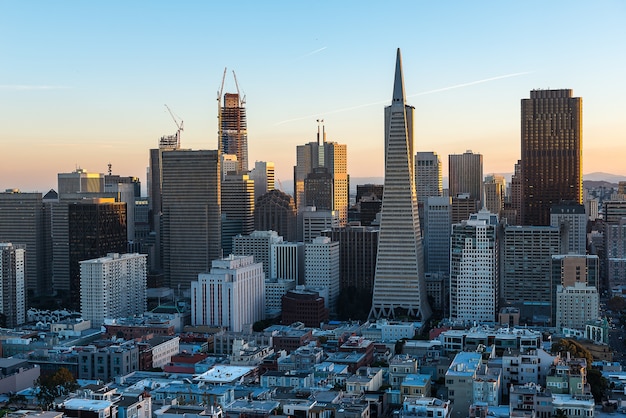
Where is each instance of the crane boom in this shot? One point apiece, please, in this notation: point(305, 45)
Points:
point(178, 125)
point(242, 99)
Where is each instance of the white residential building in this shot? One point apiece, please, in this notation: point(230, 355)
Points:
point(321, 268)
point(231, 295)
point(576, 305)
point(113, 287)
point(474, 270)
point(12, 284)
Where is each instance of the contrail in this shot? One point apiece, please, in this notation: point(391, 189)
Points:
point(456, 86)
point(313, 52)
point(23, 87)
point(471, 83)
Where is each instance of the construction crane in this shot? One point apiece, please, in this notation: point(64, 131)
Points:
point(219, 113)
point(242, 99)
point(178, 125)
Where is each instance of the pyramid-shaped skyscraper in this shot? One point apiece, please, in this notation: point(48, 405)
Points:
point(399, 285)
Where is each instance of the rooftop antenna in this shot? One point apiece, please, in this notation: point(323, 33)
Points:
point(109, 165)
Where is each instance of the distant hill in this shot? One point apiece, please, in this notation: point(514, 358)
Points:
point(606, 177)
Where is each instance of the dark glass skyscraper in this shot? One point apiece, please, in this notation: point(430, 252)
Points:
point(551, 153)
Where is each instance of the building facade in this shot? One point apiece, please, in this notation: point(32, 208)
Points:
point(321, 268)
point(474, 269)
point(276, 211)
point(551, 153)
point(572, 220)
point(437, 227)
point(526, 264)
point(12, 285)
point(257, 244)
point(231, 295)
point(237, 208)
point(428, 180)
point(113, 287)
point(191, 206)
point(465, 174)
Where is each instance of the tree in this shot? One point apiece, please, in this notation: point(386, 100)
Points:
point(559, 413)
point(52, 386)
point(598, 383)
point(616, 304)
point(576, 350)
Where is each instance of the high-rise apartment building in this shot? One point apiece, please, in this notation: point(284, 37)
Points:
point(22, 220)
point(231, 295)
point(465, 174)
point(237, 208)
point(428, 180)
point(12, 285)
point(571, 218)
point(191, 214)
point(263, 176)
point(358, 246)
point(257, 244)
point(234, 130)
point(437, 227)
point(551, 153)
point(526, 283)
point(276, 211)
point(321, 268)
point(311, 159)
point(474, 268)
point(399, 284)
point(113, 287)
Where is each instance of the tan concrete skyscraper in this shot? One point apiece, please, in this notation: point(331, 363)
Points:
point(399, 285)
point(551, 153)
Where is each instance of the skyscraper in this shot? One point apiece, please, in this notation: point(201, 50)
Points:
point(437, 225)
point(399, 284)
point(474, 268)
point(465, 174)
point(276, 211)
point(551, 153)
point(234, 130)
point(22, 221)
point(428, 175)
point(237, 208)
point(321, 268)
point(323, 165)
point(495, 191)
point(263, 176)
point(191, 214)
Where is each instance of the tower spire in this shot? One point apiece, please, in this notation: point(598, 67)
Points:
point(398, 83)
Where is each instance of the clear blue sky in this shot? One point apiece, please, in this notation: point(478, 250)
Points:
point(85, 83)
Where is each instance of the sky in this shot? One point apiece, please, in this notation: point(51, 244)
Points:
point(84, 84)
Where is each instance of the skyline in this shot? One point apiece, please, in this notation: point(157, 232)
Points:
point(88, 87)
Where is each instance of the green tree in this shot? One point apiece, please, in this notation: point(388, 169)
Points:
point(559, 413)
point(52, 386)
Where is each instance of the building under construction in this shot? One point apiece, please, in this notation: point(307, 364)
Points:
point(233, 128)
